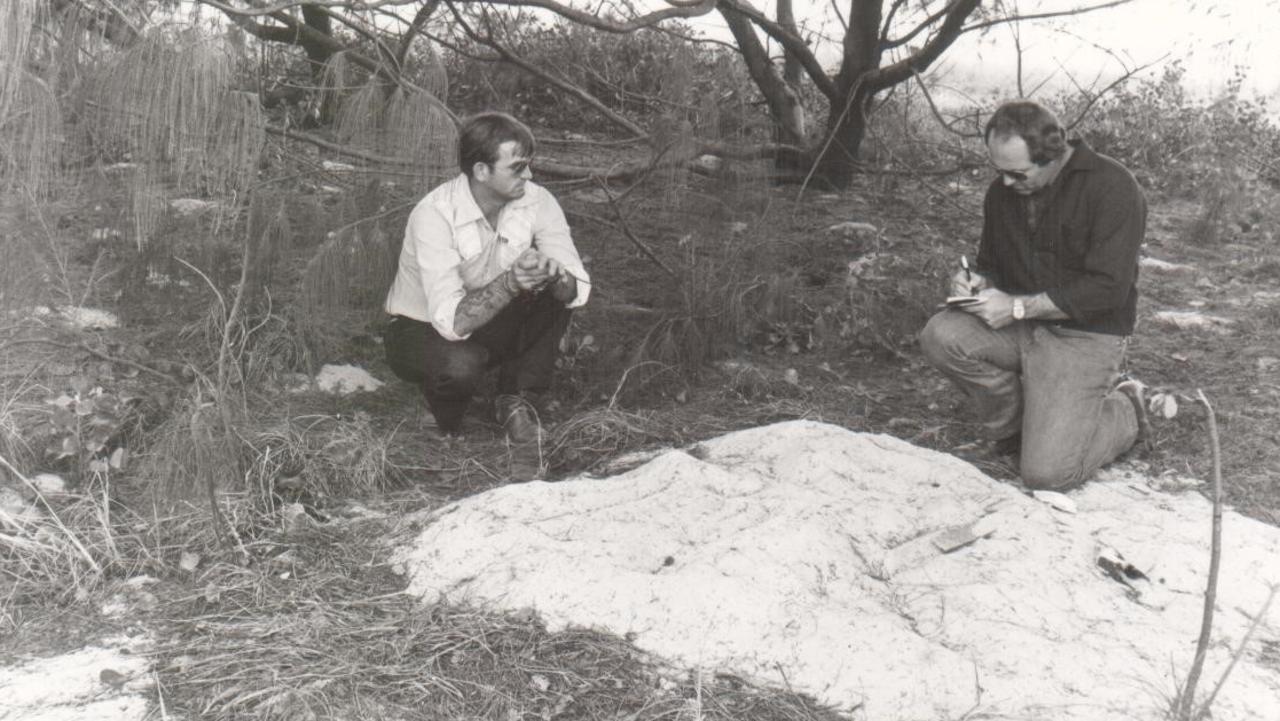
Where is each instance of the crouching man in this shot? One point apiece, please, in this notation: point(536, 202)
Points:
point(487, 276)
point(1039, 351)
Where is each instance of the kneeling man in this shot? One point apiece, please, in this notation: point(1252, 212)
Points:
point(487, 276)
point(1039, 350)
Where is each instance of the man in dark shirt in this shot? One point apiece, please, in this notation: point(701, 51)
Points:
point(1039, 352)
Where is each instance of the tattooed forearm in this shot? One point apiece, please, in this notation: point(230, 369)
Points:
point(482, 304)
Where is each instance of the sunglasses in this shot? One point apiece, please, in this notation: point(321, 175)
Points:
point(1016, 176)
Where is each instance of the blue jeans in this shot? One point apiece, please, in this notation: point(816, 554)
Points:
point(1054, 385)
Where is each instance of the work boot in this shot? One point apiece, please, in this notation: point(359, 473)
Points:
point(1136, 390)
point(518, 417)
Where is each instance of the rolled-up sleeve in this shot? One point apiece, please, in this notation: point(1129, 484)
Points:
point(1110, 265)
point(552, 238)
point(428, 284)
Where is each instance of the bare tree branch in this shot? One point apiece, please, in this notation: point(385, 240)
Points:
point(675, 9)
point(564, 85)
point(790, 41)
point(1093, 99)
point(1041, 16)
point(415, 26)
point(957, 12)
point(888, 20)
point(924, 25)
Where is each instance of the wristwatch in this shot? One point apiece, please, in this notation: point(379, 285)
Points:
point(1019, 309)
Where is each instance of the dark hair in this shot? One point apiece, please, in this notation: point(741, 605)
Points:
point(484, 133)
point(1046, 140)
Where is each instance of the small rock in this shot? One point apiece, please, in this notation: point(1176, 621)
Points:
point(296, 518)
point(709, 162)
point(50, 484)
point(1055, 500)
point(1191, 320)
point(112, 678)
point(191, 206)
point(850, 228)
point(1266, 363)
point(345, 379)
point(1164, 266)
point(791, 376)
point(189, 561)
point(14, 506)
point(336, 167)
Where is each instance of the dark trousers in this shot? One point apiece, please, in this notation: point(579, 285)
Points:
point(522, 341)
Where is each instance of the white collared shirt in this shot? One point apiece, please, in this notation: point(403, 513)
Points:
point(450, 249)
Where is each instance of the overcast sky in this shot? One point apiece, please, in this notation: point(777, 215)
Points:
point(1210, 36)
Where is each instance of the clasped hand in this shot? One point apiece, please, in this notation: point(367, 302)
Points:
point(533, 270)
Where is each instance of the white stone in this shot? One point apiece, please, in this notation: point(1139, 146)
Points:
point(802, 555)
point(709, 163)
point(15, 512)
point(1191, 320)
point(1164, 266)
point(334, 166)
point(851, 228)
point(68, 687)
point(50, 484)
point(81, 318)
point(191, 206)
point(346, 379)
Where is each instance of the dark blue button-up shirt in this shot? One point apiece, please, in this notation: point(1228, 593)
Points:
point(1083, 248)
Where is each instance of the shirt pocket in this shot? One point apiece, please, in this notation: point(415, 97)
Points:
point(517, 229)
point(469, 241)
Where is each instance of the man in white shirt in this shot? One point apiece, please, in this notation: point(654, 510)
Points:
point(487, 277)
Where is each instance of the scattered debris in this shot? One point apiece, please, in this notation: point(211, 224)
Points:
point(709, 163)
point(80, 318)
point(50, 484)
point(192, 206)
point(343, 380)
point(1055, 500)
point(1164, 266)
point(852, 229)
point(1191, 320)
point(189, 561)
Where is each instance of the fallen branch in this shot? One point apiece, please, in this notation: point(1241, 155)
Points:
point(1185, 702)
point(626, 230)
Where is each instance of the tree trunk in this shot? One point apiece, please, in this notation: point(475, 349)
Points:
point(838, 156)
point(783, 102)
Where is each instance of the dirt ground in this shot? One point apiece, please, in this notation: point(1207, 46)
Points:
point(776, 308)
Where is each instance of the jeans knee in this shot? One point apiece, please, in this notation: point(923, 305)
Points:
point(938, 339)
point(1042, 476)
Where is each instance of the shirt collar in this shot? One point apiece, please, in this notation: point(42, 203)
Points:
point(467, 210)
point(1082, 158)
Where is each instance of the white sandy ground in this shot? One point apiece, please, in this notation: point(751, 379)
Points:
point(802, 554)
point(69, 687)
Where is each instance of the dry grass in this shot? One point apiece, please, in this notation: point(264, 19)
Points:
point(30, 134)
point(590, 439)
point(311, 631)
